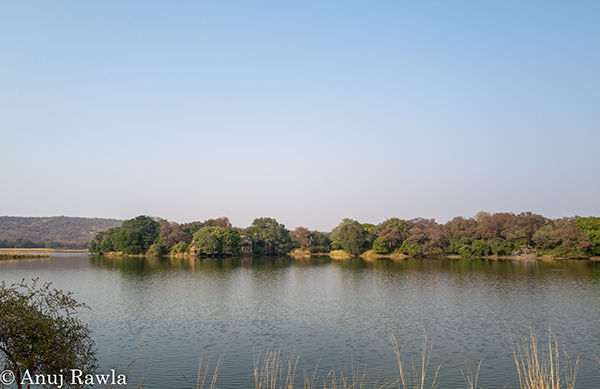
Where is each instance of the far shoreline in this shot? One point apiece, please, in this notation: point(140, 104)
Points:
point(299, 254)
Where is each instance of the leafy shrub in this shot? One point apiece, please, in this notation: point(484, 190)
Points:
point(40, 334)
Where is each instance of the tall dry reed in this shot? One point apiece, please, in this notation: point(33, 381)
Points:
point(540, 369)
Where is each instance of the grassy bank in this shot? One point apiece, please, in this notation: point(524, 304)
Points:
point(370, 255)
point(12, 256)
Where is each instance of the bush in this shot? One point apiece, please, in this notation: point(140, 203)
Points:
point(465, 251)
point(481, 248)
point(39, 333)
point(335, 245)
point(157, 249)
point(381, 245)
point(410, 248)
point(179, 248)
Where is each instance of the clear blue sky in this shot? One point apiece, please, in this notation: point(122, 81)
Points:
point(306, 111)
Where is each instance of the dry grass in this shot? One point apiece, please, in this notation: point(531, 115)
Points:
point(540, 369)
point(11, 256)
point(469, 376)
point(537, 368)
point(277, 369)
point(203, 371)
point(339, 254)
point(414, 378)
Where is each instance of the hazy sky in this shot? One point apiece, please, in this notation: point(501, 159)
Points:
point(306, 111)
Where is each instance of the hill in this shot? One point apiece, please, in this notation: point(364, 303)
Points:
point(51, 232)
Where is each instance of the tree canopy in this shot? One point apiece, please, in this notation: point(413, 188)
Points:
point(269, 237)
point(485, 234)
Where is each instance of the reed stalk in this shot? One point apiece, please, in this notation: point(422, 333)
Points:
point(540, 369)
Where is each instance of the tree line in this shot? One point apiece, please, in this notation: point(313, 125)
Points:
point(485, 234)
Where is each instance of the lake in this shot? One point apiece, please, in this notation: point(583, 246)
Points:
point(153, 318)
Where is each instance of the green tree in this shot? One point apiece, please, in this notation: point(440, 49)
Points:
point(457, 247)
point(157, 249)
point(501, 246)
point(269, 237)
point(179, 248)
point(206, 242)
point(381, 245)
point(336, 245)
point(135, 236)
point(351, 236)
point(410, 248)
point(591, 227)
point(39, 332)
point(481, 248)
point(321, 242)
point(229, 239)
point(192, 227)
point(103, 241)
point(465, 251)
point(544, 238)
point(572, 242)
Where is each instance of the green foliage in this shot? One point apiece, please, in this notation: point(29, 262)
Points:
point(336, 245)
point(591, 227)
point(136, 235)
point(465, 251)
point(521, 244)
point(410, 248)
point(500, 233)
point(40, 333)
point(481, 248)
point(321, 242)
point(570, 252)
point(206, 242)
point(229, 239)
point(269, 237)
point(103, 241)
point(544, 237)
point(179, 248)
point(319, 249)
point(572, 242)
point(217, 241)
point(193, 227)
point(457, 246)
point(157, 249)
point(352, 236)
point(500, 246)
point(381, 245)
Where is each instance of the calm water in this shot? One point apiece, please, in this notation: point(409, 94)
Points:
point(154, 318)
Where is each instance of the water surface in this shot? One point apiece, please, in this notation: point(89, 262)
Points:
point(160, 315)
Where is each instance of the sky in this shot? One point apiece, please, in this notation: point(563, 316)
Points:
point(305, 111)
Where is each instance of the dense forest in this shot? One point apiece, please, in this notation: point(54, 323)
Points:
point(59, 232)
point(485, 234)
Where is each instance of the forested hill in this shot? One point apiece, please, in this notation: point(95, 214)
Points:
point(51, 232)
